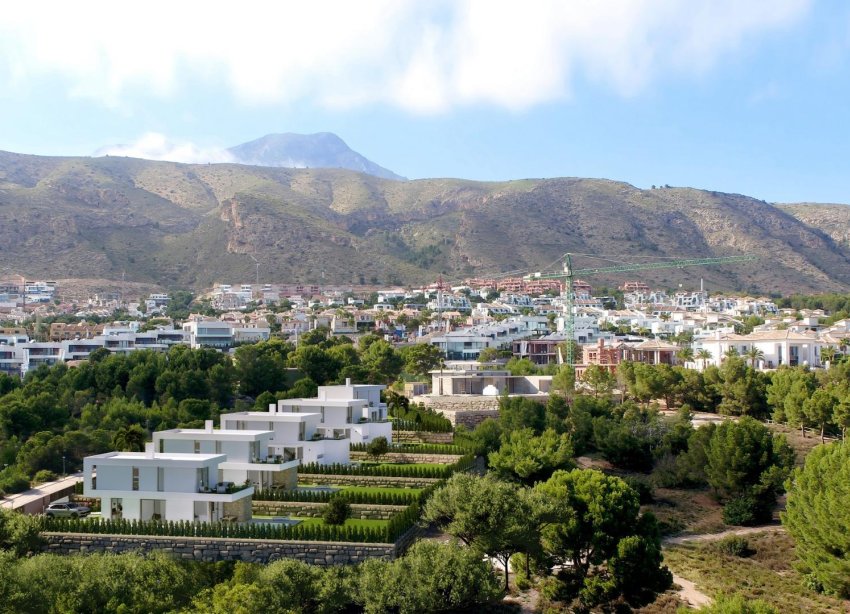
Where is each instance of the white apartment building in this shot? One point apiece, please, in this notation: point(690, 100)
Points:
point(295, 436)
point(164, 486)
point(247, 452)
point(20, 358)
point(467, 343)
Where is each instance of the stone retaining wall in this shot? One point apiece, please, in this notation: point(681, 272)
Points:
point(422, 437)
point(469, 411)
point(211, 549)
point(409, 457)
point(315, 510)
point(364, 480)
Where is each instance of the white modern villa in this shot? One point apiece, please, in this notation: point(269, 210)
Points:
point(209, 474)
point(352, 411)
point(247, 452)
point(295, 436)
point(164, 486)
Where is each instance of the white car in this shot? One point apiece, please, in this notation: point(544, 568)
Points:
point(67, 510)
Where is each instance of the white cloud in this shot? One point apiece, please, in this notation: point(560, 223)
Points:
point(155, 146)
point(421, 56)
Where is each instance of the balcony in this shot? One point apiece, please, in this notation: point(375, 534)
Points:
point(224, 488)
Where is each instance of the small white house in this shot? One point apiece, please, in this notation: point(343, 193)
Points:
point(294, 436)
point(164, 486)
point(247, 452)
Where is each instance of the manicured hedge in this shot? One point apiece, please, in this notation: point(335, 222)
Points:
point(418, 448)
point(427, 422)
point(355, 497)
point(394, 529)
point(393, 471)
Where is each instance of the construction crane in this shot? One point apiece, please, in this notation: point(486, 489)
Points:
point(569, 273)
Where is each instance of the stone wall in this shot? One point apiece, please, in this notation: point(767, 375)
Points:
point(315, 510)
point(422, 437)
point(468, 410)
point(364, 480)
point(240, 509)
point(409, 457)
point(211, 549)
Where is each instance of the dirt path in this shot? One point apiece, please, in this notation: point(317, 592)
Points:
point(707, 537)
point(688, 592)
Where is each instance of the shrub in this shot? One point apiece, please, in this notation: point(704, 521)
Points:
point(377, 447)
point(734, 546)
point(337, 511)
point(745, 511)
point(45, 475)
point(13, 481)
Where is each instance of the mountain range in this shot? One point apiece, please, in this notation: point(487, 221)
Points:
point(181, 225)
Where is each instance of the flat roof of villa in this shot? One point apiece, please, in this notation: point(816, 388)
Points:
point(267, 415)
point(158, 457)
point(232, 434)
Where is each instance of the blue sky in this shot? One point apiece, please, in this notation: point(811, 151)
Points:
point(749, 97)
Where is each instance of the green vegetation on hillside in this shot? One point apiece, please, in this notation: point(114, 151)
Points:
point(181, 225)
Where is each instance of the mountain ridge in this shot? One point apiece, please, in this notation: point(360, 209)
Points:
point(183, 225)
point(317, 150)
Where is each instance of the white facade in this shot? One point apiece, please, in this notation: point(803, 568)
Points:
point(295, 436)
point(220, 334)
point(780, 347)
point(467, 343)
point(149, 486)
point(31, 355)
point(247, 452)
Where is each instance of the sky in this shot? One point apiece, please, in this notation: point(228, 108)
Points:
point(737, 96)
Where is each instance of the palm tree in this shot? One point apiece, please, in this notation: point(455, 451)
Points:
point(827, 354)
point(730, 353)
point(686, 354)
point(754, 355)
point(130, 438)
point(703, 356)
point(844, 344)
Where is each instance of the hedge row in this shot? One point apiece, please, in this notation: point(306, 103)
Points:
point(419, 448)
point(394, 528)
point(426, 422)
point(391, 471)
point(355, 497)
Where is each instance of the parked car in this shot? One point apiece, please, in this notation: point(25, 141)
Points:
point(67, 510)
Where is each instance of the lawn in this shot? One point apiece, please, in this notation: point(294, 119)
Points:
point(369, 489)
point(768, 574)
point(351, 522)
